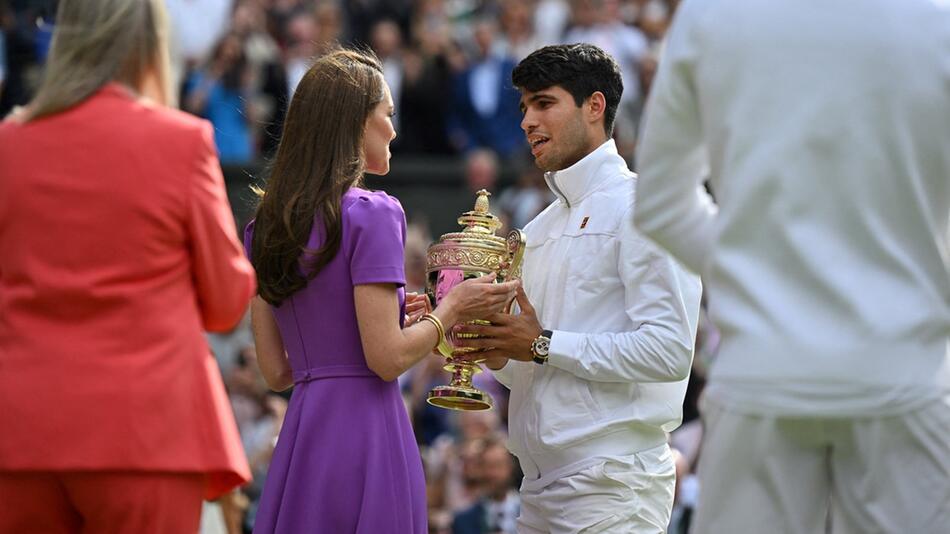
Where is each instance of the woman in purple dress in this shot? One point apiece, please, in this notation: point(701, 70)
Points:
point(332, 317)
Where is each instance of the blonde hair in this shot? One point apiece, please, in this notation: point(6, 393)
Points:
point(99, 41)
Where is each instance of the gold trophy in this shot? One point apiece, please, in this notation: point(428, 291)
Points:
point(456, 257)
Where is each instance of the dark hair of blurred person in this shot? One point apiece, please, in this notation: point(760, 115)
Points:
point(498, 507)
point(117, 251)
point(222, 92)
point(333, 318)
point(497, 469)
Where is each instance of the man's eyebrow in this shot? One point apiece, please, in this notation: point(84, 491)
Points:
point(534, 98)
point(539, 96)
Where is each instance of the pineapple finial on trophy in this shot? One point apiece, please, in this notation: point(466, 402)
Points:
point(480, 220)
point(481, 202)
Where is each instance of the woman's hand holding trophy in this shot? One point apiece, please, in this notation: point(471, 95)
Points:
point(480, 297)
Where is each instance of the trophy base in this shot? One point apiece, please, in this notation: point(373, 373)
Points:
point(459, 398)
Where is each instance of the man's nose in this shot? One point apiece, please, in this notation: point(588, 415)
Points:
point(528, 122)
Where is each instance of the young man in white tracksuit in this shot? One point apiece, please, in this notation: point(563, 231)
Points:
point(824, 129)
point(598, 358)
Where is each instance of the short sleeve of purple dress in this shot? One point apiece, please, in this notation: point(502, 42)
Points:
point(346, 460)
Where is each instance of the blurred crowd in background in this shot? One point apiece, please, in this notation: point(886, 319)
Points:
point(448, 63)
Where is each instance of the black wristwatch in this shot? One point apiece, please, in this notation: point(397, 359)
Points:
point(540, 347)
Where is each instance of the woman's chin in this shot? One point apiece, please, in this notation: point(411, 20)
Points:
point(381, 170)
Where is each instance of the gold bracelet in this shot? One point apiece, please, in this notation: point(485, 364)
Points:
point(441, 345)
point(436, 322)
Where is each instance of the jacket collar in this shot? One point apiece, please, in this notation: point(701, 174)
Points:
point(574, 183)
point(117, 89)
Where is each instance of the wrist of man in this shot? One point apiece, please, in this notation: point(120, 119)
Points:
point(540, 347)
point(566, 350)
point(496, 364)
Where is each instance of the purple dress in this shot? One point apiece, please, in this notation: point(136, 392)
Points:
point(346, 459)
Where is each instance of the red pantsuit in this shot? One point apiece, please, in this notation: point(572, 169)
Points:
point(117, 251)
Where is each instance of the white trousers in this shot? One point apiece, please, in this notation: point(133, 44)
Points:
point(622, 495)
point(782, 475)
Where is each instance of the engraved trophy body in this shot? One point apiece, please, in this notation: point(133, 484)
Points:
point(456, 257)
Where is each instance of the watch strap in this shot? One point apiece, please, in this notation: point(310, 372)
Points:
point(541, 346)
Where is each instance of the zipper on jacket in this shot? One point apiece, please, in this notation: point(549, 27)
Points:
point(550, 179)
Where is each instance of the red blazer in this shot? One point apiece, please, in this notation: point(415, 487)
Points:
point(117, 250)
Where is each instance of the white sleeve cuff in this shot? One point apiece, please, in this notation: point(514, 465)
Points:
point(564, 350)
point(503, 375)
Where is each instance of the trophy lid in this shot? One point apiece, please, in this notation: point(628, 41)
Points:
point(476, 248)
point(480, 220)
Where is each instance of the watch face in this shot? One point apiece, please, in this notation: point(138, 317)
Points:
point(541, 346)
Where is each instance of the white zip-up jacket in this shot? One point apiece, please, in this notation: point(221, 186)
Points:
point(824, 128)
point(624, 318)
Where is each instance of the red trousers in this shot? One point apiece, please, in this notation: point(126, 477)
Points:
point(104, 502)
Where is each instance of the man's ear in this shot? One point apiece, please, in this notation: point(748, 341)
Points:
point(595, 106)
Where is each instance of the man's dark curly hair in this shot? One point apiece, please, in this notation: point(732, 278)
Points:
point(580, 69)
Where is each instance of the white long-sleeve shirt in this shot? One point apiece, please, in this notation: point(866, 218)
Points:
point(623, 316)
point(824, 129)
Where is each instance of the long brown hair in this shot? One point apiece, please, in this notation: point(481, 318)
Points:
point(98, 41)
point(319, 157)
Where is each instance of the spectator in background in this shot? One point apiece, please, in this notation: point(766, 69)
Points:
point(518, 34)
point(268, 100)
point(429, 15)
point(598, 22)
point(362, 15)
point(551, 18)
point(227, 345)
point(328, 16)
point(259, 414)
point(284, 9)
point(114, 415)
point(256, 414)
point(687, 439)
point(485, 111)
point(652, 17)
point(428, 422)
point(427, 79)
point(481, 170)
point(22, 60)
point(197, 26)
point(3, 49)
point(681, 516)
point(300, 47)
point(826, 255)
point(221, 93)
point(386, 41)
point(496, 511)
point(527, 198)
point(647, 70)
point(418, 240)
point(452, 461)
